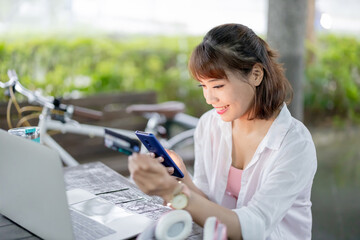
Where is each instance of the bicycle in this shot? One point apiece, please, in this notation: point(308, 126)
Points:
point(54, 115)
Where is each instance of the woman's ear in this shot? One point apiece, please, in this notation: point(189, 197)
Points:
point(257, 74)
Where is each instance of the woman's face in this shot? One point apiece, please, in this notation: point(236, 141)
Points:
point(230, 97)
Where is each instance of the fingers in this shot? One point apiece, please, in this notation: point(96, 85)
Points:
point(145, 183)
point(149, 175)
point(146, 169)
point(138, 163)
point(152, 155)
point(170, 170)
point(160, 159)
point(145, 162)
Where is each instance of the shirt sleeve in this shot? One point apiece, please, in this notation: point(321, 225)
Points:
point(292, 172)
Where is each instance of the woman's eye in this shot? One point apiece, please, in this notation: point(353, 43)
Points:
point(216, 86)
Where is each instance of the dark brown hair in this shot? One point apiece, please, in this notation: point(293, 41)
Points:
point(235, 47)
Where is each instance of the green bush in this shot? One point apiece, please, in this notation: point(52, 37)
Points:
point(333, 78)
point(91, 65)
point(85, 65)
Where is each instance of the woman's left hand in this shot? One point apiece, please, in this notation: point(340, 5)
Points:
point(151, 176)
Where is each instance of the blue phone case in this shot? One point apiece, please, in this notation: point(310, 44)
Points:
point(154, 146)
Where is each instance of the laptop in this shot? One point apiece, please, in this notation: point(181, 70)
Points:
point(33, 195)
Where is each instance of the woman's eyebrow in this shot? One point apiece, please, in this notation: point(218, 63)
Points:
point(212, 80)
point(215, 80)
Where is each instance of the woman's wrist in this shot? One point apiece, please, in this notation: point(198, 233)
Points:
point(186, 179)
point(172, 188)
point(180, 197)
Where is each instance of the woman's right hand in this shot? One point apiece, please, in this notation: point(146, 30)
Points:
point(150, 176)
point(180, 163)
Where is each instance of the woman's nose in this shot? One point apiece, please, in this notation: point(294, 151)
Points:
point(210, 97)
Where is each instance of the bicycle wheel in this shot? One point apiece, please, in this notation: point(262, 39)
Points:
point(183, 144)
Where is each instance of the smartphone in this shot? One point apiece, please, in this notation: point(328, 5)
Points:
point(121, 143)
point(153, 145)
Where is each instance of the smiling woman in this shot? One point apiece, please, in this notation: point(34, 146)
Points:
point(225, 51)
point(226, 92)
point(254, 163)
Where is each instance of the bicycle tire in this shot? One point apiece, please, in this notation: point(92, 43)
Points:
point(183, 144)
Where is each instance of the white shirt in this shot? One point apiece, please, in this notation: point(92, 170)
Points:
point(274, 199)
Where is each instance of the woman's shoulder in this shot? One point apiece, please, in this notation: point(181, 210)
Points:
point(291, 128)
point(299, 131)
point(290, 135)
point(298, 141)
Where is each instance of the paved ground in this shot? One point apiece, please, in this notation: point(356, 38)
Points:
point(336, 189)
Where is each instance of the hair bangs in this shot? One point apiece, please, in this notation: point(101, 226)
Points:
point(205, 63)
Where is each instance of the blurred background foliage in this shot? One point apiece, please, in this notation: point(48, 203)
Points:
point(332, 86)
point(86, 66)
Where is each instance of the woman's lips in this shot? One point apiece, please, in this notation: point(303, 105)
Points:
point(222, 110)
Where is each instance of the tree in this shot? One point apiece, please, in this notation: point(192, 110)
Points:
point(286, 33)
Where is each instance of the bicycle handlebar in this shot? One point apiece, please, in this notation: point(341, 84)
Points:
point(47, 101)
point(32, 96)
point(88, 113)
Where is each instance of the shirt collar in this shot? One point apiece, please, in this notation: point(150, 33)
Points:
point(226, 128)
point(275, 135)
point(278, 129)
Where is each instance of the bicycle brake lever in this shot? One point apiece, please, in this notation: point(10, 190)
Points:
point(57, 117)
point(121, 143)
point(58, 105)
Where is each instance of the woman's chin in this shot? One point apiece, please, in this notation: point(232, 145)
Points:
point(226, 118)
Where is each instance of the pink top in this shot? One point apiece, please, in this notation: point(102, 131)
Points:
point(234, 182)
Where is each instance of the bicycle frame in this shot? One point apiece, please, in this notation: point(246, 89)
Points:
point(70, 126)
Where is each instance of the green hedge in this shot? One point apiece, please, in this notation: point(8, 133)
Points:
point(332, 87)
point(88, 66)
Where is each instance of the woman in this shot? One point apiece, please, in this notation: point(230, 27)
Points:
point(254, 163)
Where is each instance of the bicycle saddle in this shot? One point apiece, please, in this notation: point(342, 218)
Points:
point(169, 109)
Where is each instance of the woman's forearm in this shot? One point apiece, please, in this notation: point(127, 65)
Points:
point(188, 181)
point(201, 208)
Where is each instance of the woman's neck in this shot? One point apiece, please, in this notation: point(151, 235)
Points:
point(245, 126)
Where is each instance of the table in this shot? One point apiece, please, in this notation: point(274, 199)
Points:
point(104, 182)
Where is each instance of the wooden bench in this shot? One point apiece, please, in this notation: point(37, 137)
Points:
point(85, 149)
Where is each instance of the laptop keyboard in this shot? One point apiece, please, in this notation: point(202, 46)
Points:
point(87, 229)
